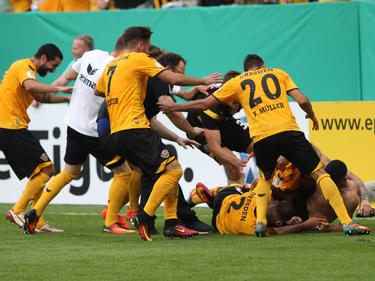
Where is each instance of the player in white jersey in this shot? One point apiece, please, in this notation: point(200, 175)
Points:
point(82, 140)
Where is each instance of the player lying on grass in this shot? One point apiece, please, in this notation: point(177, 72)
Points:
point(293, 188)
point(234, 212)
point(315, 205)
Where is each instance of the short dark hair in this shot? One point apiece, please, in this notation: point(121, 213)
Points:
point(171, 59)
point(155, 52)
point(337, 170)
point(51, 51)
point(229, 75)
point(135, 34)
point(285, 210)
point(87, 40)
point(252, 60)
point(119, 44)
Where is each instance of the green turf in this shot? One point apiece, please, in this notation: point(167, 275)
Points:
point(82, 252)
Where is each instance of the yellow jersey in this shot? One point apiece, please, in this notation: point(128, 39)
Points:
point(237, 214)
point(14, 99)
point(124, 82)
point(263, 96)
point(65, 5)
point(20, 6)
point(288, 179)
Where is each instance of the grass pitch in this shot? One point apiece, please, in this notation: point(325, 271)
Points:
point(83, 252)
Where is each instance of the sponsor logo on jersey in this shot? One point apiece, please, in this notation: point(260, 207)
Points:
point(91, 70)
point(86, 81)
point(30, 74)
point(44, 157)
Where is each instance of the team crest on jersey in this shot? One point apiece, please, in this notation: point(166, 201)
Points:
point(158, 64)
point(30, 74)
point(164, 153)
point(44, 157)
point(90, 70)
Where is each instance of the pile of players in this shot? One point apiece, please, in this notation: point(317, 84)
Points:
point(123, 134)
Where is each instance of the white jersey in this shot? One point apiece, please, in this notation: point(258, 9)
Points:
point(84, 105)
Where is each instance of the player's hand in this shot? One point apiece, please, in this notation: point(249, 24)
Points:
point(315, 126)
point(316, 224)
point(364, 209)
point(213, 79)
point(235, 169)
point(203, 89)
point(187, 142)
point(165, 104)
point(197, 132)
point(65, 89)
point(294, 220)
point(35, 104)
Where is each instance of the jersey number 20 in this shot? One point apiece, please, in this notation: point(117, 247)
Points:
point(255, 101)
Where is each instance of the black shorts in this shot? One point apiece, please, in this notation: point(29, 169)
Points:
point(235, 136)
point(292, 145)
point(79, 146)
point(144, 149)
point(22, 151)
point(219, 200)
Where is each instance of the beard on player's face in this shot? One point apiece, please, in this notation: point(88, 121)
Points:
point(42, 71)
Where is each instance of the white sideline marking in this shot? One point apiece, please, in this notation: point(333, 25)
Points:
point(91, 214)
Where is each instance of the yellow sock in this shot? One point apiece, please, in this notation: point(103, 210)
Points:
point(134, 190)
point(163, 186)
point(263, 192)
point(33, 187)
point(41, 220)
point(170, 204)
point(332, 194)
point(53, 188)
point(118, 190)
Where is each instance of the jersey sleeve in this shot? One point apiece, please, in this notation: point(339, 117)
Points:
point(100, 86)
point(210, 120)
point(26, 72)
point(148, 66)
point(228, 92)
point(76, 66)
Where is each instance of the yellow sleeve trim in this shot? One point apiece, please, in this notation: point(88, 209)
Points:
point(212, 114)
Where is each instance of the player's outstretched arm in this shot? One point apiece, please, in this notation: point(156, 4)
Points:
point(167, 134)
point(167, 104)
point(71, 75)
point(306, 106)
point(44, 93)
point(174, 78)
point(312, 224)
point(180, 122)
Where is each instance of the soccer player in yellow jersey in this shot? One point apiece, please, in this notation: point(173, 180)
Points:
point(123, 83)
point(22, 150)
point(263, 93)
point(235, 212)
